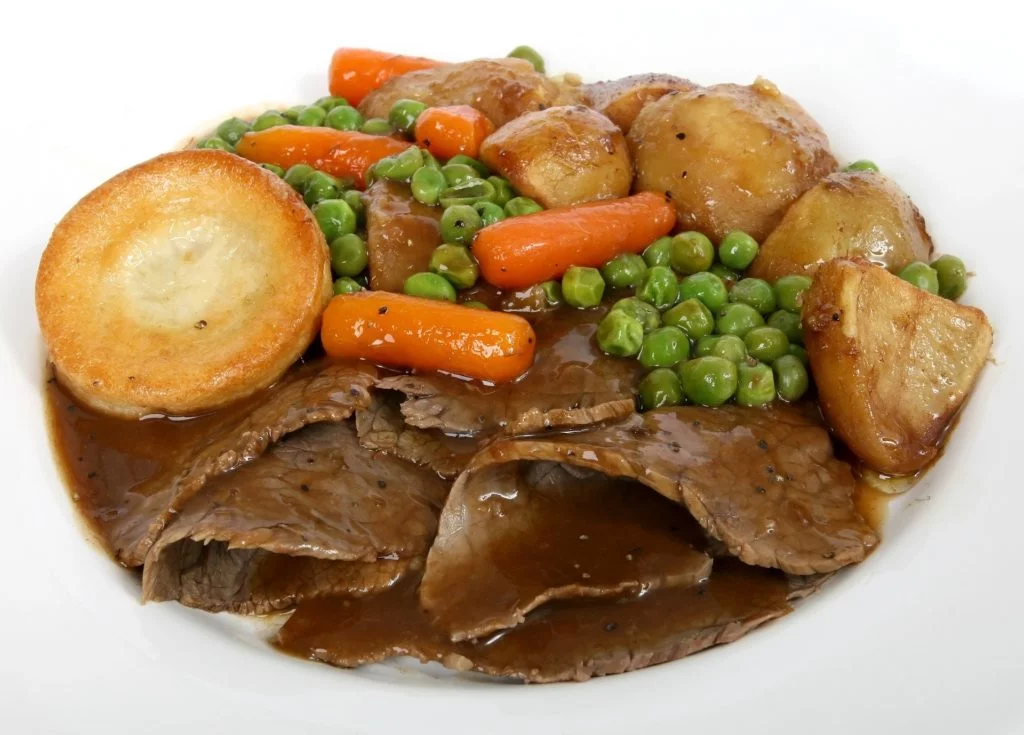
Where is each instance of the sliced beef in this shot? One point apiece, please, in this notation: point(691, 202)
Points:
point(762, 481)
point(513, 536)
point(401, 234)
point(571, 383)
point(315, 515)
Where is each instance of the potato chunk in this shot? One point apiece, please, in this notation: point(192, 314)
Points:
point(893, 364)
point(731, 157)
point(401, 235)
point(562, 156)
point(502, 89)
point(856, 214)
point(621, 100)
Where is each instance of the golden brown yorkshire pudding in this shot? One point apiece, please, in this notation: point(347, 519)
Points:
point(180, 285)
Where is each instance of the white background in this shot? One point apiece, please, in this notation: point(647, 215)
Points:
point(924, 637)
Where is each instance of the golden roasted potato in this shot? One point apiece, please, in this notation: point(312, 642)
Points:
point(730, 157)
point(892, 363)
point(561, 156)
point(856, 214)
point(621, 100)
point(502, 89)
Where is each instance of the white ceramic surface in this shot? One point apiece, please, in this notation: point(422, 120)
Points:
point(923, 637)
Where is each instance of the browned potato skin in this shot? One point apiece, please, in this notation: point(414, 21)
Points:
point(561, 156)
point(857, 214)
point(621, 100)
point(892, 363)
point(731, 157)
point(502, 89)
point(401, 234)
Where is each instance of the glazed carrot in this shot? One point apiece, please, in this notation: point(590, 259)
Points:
point(355, 72)
point(521, 251)
point(449, 131)
point(409, 332)
point(342, 153)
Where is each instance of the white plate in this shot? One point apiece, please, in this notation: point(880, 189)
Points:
point(923, 637)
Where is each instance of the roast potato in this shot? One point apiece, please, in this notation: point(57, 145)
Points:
point(561, 156)
point(621, 100)
point(401, 235)
point(857, 214)
point(502, 89)
point(731, 157)
point(892, 363)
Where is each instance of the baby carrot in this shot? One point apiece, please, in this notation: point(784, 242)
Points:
point(409, 332)
point(341, 153)
point(449, 131)
point(521, 251)
point(355, 72)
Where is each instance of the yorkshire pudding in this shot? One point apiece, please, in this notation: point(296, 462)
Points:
point(182, 284)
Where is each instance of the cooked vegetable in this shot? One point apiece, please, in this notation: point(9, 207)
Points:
point(861, 165)
point(346, 285)
point(518, 206)
point(552, 293)
point(449, 131)
point(292, 113)
point(582, 287)
point(754, 292)
point(476, 305)
point(766, 344)
point(756, 385)
point(354, 199)
point(528, 54)
point(737, 250)
point(335, 218)
point(276, 170)
point(520, 251)
point(692, 317)
point(788, 323)
point(952, 276)
point(402, 234)
point(621, 100)
point(330, 102)
point(789, 292)
point(269, 119)
point(659, 287)
point(456, 264)
point(800, 352)
point(460, 223)
point(921, 275)
point(344, 117)
point(298, 175)
point(706, 288)
point(429, 286)
point(400, 167)
point(403, 115)
point(216, 143)
point(648, 316)
point(659, 252)
point(858, 318)
point(660, 388)
point(349, 255)
point(503, 192)
point(376, 126)
point(422, 334)
point(691, 252)
point(727, 346)
point(489, 212)
point(232, 130)
point(737, 319)
point(427, 184)
point(481, 170)
point(355, 72)
point(791, 379)
point(624, 271)
point(728, 275)
point(342, 153)
point(456, 173)
point(620, 334)
point(470, 191)
point(320, 187)
point(311, 116)
point(708, 381)
point(664, 347)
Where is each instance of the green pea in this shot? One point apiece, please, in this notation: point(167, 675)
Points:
point(518, 206)
point(232, 130)
point(659, 252)
point(952, 275)
point(648, 316)
point(754, 292)
point(728, 275)
point(430, 162)
point(346, 285)
point(691, 252)
point(489, 212)
point(582, 287)
point(354, 199)
point(727, 346)
point(789, 324)
point(737, 250)
point(921, 275)
point(708, 381)
point(344, 117)
point(692, 317)
point(737, 319)
point(789, 292)
point(329, 103)
point(469, 191)
point(273, 168)
point(800, 353)
point(528, 54)
point(376, 126)
point(402, 166)
point(460, 223)
point(756, 385)
point(706, 287)
point(215, 143)
point(552, 293)
point(298, 175)
point(861, 165)
point(456, 173)
point(402, 115)
point(269, 119)
point(503, 191)
point(766, 344)
point(476, 305)
point(481, 170)
point(619, 334)
point(658, 389)
point(311, 117)
point(348, 255)
point(659, 287)
point(292, 113)
point(427, 185)
point(335, 218)
point(429, 286)
point(664, 347)
point(455, 263)
point(624, 271)
point(791, 379)
point(363, 279)
point(319, 187)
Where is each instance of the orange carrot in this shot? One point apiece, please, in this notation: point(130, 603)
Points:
point(521, 251)
point(449, 131)
point(408, 332)
point(355, 72)
point(341, 153)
